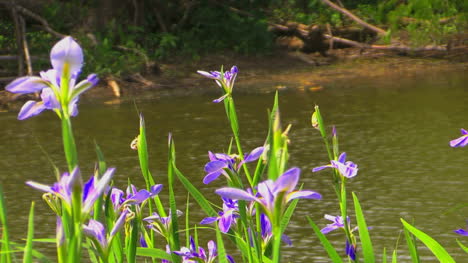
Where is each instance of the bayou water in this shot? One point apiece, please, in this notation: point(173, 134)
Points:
point(396, 129)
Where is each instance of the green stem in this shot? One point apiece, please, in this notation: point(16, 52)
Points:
point(69, 143)
point(232, 117)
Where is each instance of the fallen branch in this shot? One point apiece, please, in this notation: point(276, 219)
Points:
point(400, 48)
point(356, 19)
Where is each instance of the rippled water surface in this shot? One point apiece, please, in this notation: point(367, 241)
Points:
point(396, 129)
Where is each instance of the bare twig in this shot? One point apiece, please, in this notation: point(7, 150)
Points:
point(354, 17)
point(38, 18)
point(27, 56)
point(188, 8)
point(18, 36)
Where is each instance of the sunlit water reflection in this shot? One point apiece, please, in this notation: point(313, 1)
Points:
point(396, 129)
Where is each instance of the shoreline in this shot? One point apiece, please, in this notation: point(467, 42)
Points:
point(311, 71)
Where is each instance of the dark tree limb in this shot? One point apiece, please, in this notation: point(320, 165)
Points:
point(189, 5)
point(18, 37)
point(38, 18)
point(353, 17)
point(27, 56)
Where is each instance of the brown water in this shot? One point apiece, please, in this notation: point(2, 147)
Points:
point(396, 129)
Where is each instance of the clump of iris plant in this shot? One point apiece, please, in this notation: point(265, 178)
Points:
point(68, 185)
point(224, 80)
point(271, 194)
point(58, 86)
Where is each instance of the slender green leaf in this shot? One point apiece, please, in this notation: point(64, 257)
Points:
point(174, 236)
point(132, 240)
point(153, 252)
point(222, 256)
point(394, 256)
point(288, 214)
point(366, 242)
point(27, 256)
point(197, 195)
point(462, 246)
point(335, 258)
point(4, 257)
point(430, 243)
point(142, 148)
point(413, 249)
point(384, 256)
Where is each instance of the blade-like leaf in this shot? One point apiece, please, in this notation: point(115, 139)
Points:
point(335, 258)
point(153, 252)
point(4, 257)
point(413, 249)
point(366, 242)
point(28, 249)
point(174, 237)
point(222, 257)
point(430, 243)
point(197, 195)
point(462, 246)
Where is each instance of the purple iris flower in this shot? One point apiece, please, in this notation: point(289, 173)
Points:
point(347, 169)
point(337, 223)
point(63, 189)
point(462, 141)
point(269, 191)
point(191, 254)
point(161, 224)
point(67, 59)
point(225, 218)
point(97, 231)
point(350, 250)
point(224, 80)
point(266, 231)
point(220, 161)
point(133, 196)
point(461, 231)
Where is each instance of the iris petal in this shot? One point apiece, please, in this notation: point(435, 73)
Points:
point(67, 52)
point(306, 194)
point(26, 85)
point(235, 193)
point(287, 181)
point(31, 108)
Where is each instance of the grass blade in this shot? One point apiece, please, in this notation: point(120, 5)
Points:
point(197, 195)
point(366, 242)
point(331, 251)
point(430, 243)
point(411, 246)
point(4, 257)
point(462, 246)
point(153, 252)
point(222, 257)
point(174, 237)
point(28, 249)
